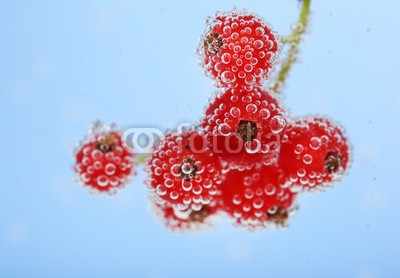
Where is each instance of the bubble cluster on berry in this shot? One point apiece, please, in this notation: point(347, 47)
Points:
point(244, 128)
point(315, 153)
point(183, 172)
point(238, 49)
point(103, 164)
point(255, 199)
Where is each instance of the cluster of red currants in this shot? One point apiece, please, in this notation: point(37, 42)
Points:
point(247, 158)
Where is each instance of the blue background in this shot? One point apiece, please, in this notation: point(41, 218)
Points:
point(64, 64)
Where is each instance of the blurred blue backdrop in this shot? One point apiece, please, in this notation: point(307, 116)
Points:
point(64, 64)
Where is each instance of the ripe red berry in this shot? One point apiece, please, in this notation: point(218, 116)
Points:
point(244, 128)
point(102, 161)
point(188, 220)
point(314, 153)
point(238, 49)
point(183, 171)
point(255, 199)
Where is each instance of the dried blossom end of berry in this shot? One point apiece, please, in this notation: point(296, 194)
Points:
point(333, 160)
point(198, 216)
point(279, 218)
point(188, 169)
point(106, 142)
point(213, 43)
point(247, 130)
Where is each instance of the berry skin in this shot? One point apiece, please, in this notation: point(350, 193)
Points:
point(102, 161)
point(314, 153)
point(188, 220)
point(183, 171)
point(244, 129)
point(255, 200)
point(238, 49)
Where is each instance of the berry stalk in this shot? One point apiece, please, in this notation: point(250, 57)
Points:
point(294, 40)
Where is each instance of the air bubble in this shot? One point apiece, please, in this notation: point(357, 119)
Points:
point(258, 44)
point(324, 139)
point(110, 169)
point(224, 129)
point(252, 146)
point(207, 183)
point(258, 203)
point(250, 79)
point(254, 62)
point(187, 185)
point(235, 36)
point(301, 173)
point(227, 30)
point(298, 149)
point(174, 195)
point(247, 181)
point(307, 159)
point(176, 170)
point(97, 155)
point(260, 31)
point(237, 49)
point(269, 189)
point(244, 40)
point(235, 112)
point(264, 113)
point(248, 55)
point(90, 170)
point(169, 183)
point(161, 190)
point(102, 180)
point(251, 108)
point(226, 58)
point(246, 207)
point(248, 68)
point(277, 124)
point(197, 189)
point(315, 143)
point(228, 77)
point(98, 165)
point(114, 181)
point(158, 171)
point(236, 199)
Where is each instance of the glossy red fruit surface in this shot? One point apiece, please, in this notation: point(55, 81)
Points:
point(244, 129)
point(314, 153)
point(183, 171)
point(238, 49)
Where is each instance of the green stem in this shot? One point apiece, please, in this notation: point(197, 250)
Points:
point(294, 40)
point(141, 159)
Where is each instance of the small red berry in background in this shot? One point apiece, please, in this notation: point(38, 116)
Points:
point(255, 199)
point(244, 128)
point(183, 171)
point(102, 161)
point(238, 49)
point(315, 153)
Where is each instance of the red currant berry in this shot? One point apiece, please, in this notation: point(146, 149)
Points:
point(102, 161)
point(255, 200)
point(188, 220)
point(314, 153)
point(244, 128)
point(183, 171)
point(238, 49)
